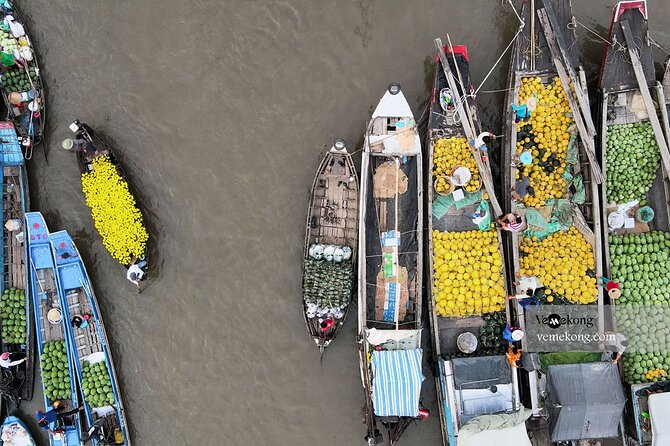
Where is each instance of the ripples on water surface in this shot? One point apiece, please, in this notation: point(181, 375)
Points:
point(221, 112)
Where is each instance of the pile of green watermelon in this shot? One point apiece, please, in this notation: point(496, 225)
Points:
point(639, 262)
point(633, 159)
point(55, 372)
point(16, 80)
point(13, 316)
point(97, 384)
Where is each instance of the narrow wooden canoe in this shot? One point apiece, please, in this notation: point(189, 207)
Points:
point(564, 171)
point(331, 246)
point(89, 345)
point(18, 336)
point(22, 88)
point(626, 130)
point(90, 148)
point(480, 313)
point(390, 268)
point(59, 383)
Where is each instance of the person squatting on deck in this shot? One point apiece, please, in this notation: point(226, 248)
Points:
point(8, 359)
point(618, 343)
point(513, 222)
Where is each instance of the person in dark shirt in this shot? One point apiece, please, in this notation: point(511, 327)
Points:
point(44, 419)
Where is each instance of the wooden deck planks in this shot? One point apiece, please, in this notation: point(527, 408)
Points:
point(87, 340)
point(50, 332)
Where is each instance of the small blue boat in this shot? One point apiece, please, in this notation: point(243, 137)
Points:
point(17, 333)
point(58, 377)
point(14, 433)
point(88, 342)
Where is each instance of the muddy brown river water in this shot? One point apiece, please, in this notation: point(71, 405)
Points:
point(221, 112)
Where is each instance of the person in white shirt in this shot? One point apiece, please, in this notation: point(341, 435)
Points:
point(619, 343)
point(8, 360)
point(135, 274)
point(483, 139)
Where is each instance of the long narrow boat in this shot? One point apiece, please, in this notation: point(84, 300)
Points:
point(561, 243)
point(21, 85)
point(113, 206)
point(17, 333)
point(467, 286)
point(58, 375)
point(636, 193)
point(92, 358)
point(330, 246)
point(14, 433)
point(390, 269)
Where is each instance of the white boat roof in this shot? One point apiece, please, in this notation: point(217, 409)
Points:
point(393, 106)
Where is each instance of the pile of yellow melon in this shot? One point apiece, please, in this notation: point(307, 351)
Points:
point(561, 262)
point(468, 273)
point(547, 141)
point(449, 153)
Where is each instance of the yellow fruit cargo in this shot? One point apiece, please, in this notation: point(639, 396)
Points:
point(468, 274)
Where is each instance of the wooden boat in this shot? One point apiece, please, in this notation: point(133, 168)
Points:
point(89, 344)
point(332, 226)
point(555, 149)
point(390, 269)
point(17, 334)
point(14, 433)
point(56, 362)
point(91, 149)
point(466, 373)
point(630, 124)
point(22, 88)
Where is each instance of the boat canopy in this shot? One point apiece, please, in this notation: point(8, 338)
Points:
point(9, 145)
point(585, 401)
point(396, 385)
point(393, 106)
point(506, 429)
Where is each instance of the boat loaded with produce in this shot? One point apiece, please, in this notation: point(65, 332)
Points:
point(17, 334)
point(14, 433)
point(390, 268)
point(551, 185)
point(108, 195)
point(468, 293)
point(56, 365)
point(21, 83)
point(331, 242)
point(636, 161)
point(87, 338)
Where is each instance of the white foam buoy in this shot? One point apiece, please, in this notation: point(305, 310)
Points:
point(67, 144)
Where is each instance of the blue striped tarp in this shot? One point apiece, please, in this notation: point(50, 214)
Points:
point(396, 382)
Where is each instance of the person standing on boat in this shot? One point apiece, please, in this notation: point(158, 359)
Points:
point(610, 286)
point(8, 359)
point(136, 273)
point(44, 419)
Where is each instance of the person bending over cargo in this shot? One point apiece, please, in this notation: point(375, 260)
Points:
point(44, 419)
point(618, 343)
point(511, 222)
point(8, 359)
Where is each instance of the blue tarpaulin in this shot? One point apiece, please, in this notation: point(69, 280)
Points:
point(396, 382)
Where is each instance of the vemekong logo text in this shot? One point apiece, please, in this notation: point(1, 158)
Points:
point(556, 321)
